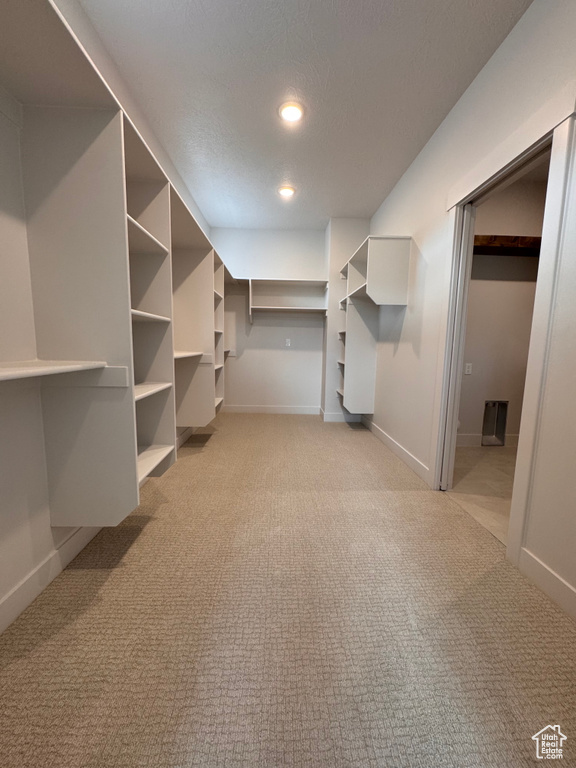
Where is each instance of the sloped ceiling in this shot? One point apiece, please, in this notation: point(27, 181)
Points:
point(376, 78)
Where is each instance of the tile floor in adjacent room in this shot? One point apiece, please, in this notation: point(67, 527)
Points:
point(483, 479)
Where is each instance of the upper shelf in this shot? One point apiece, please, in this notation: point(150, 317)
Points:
point(32, 34)
point(378, 270)
point(26, 369)
point(287, 296)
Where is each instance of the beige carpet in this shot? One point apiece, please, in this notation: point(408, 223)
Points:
point(288, 594)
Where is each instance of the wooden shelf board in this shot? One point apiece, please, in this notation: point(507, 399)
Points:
point(148, 388)
point(342, 333)
point(341, 362)
point(181, 354)
point(217, 330)
point(149, 456)
point(218, 295)
point(340, 392)
point(219, 367)
point(25, 369)
point(148, 317)
point(141, 241)
point(218, 401)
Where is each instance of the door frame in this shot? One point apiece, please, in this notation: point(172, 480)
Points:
point(563, 146)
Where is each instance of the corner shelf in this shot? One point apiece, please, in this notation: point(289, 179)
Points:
point(287, 296)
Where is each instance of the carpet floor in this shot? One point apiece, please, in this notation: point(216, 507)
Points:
point(288, 594)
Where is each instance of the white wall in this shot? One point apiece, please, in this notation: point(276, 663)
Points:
point(265, 375)
point(526, 89)
point(500, 306)
point(270, 253)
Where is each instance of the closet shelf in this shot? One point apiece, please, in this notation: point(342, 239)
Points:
point(218, 295)
point(340, 392)
point(25, 369)
point(141, 241)
point(218, 401)
point(358, 293)
point(219, 367)
point(148, 317)
point(288, 309)
point(148, 388)
point(341, 362)
point(181, 354)
point(149, 456)
point(217, 330)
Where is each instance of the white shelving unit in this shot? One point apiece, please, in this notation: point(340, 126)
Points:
point(194, 304)
point(148, 236)
point(287, 296)
point(90, 306)
point(376, 275)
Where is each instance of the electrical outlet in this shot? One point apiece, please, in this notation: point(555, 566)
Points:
point(467, 369)
point(287, 342)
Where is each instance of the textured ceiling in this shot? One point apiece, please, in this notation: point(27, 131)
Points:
point(376, 78)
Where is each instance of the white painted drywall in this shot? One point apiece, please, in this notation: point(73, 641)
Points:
point(499, 318)
point(272, 253)
point(527, 88)
point(266, 375)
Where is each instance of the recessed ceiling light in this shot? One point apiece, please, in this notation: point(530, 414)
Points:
point(286, 192)
point(291, 112)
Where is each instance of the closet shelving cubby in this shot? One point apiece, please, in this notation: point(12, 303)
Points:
point(219, 351)
point(376, 275)
point(66, 407)
point(287, 296)
point(110, 290)
point(194, 307)
point(148, 235)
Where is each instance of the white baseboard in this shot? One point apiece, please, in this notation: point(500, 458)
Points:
point(475, 440)
point(548, 580)
point(340, 417)
point(308, 410)
point(27, 590)
point(415, 464)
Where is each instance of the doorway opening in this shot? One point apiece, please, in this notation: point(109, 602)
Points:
point(499, 271)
